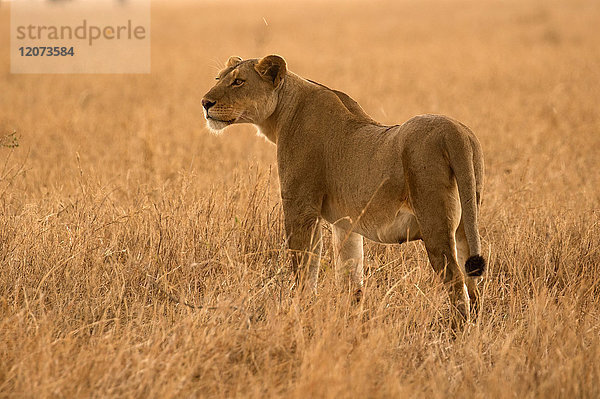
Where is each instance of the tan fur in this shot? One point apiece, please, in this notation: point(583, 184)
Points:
point(391, 184)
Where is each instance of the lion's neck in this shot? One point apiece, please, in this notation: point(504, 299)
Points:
point(292, 101)
point(289, 101)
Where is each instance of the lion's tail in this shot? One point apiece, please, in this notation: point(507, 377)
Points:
point(469, 179)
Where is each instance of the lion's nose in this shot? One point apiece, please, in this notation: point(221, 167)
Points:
point(207, 104)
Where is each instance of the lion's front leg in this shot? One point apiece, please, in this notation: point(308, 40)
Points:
point(303, 230)
point(348, 254)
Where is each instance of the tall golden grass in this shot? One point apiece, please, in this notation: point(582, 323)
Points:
point(118, 203)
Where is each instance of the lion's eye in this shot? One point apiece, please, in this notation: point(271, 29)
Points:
point(238, 82)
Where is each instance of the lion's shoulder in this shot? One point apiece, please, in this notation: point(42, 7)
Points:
point(349, 103)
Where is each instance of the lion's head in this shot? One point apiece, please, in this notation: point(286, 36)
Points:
point(246, 92)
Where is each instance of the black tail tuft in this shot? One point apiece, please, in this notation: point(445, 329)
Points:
point(475, 266)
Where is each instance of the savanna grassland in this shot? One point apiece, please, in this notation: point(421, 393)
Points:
point(118, 205)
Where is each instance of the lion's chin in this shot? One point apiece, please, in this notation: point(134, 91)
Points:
point(217, 126)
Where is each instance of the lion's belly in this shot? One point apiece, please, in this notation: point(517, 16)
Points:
point(389, 223)
point(403, 227)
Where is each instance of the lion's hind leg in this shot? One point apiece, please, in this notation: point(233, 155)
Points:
point(438, 214)
point(462, 254)
point(442, 258)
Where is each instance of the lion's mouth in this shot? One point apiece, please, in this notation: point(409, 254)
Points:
point(220, 120)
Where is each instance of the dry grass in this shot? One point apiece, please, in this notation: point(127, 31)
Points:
point(118, 194)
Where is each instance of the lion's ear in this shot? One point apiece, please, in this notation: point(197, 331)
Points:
point(233, 61)
point(272, 68)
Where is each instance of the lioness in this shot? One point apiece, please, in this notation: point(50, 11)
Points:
point(392, 184)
